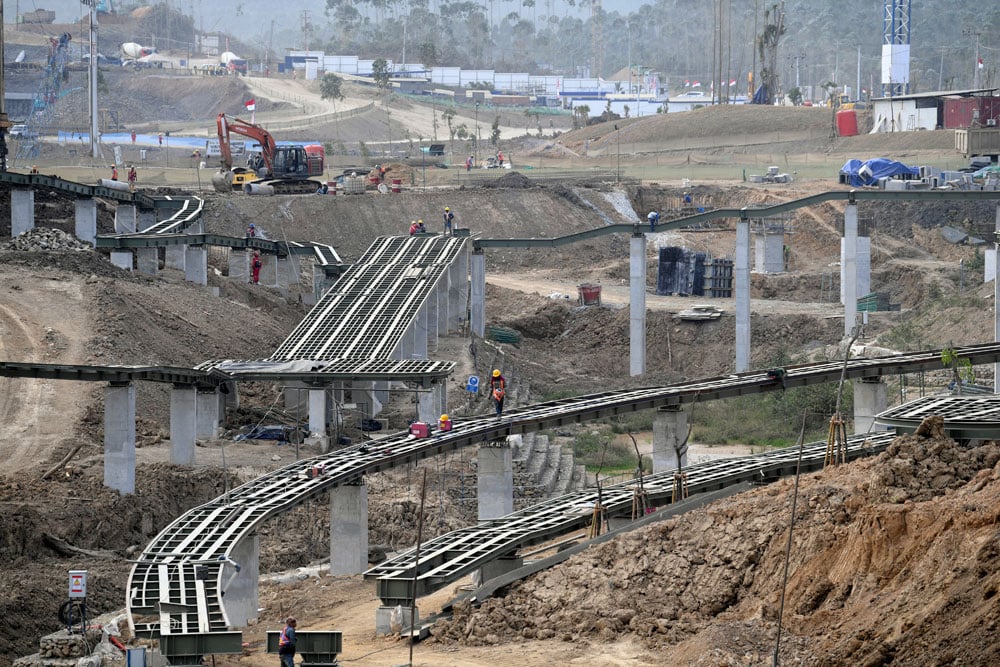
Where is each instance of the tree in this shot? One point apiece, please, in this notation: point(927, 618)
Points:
point(329, 87)
point(580, 116)
point(795, 96)
point(380, 73)
point(495, 132)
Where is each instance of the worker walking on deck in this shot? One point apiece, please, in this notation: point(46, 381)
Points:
point(449, 218)
point(653, 218)
point(498, 391)
point(286, 644)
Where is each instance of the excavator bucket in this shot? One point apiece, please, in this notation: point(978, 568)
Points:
point(222, 181)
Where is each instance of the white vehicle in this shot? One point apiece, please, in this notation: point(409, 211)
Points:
point(22, 132)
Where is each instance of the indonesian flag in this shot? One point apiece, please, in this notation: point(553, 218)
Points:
point(696, 84)
point(732, 82)
point(251, 104)
point(980, 63)
point(687, 83)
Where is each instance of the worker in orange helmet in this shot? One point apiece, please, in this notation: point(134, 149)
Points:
point(498, 391)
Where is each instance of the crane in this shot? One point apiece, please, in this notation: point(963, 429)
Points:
point(278, 169)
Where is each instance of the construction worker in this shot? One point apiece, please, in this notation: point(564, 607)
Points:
point(251, 230)
point(498, 391)
point(500, 158)
point(132, 178)
point(420, 227)
point(413, 227)
point(653, 218)
point(286, 643)
point(687, 199)
point(34, 169)
point(114, 172)
point(469, 161)
point(449, 218)
point(255, 265)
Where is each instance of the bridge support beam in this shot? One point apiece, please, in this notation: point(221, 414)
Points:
point(477, 312)
point(239, 265)
point(196, 264)
point(207, 411)
point(741, 283)
point(148, 260)
point(769, 245)
point(637, 305)
point(125, 219)
point(242, 591)
point(996, 304)
point(119, 437)
point(495, 480)
point(85, 220)
point(849, 268)
point(870, 398)
point(183, 424)
point(670, 427)
point(122, 259)
point(22, 211)
point(348, 529)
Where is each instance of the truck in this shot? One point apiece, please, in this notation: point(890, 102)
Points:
point(276, 170)
point(132, 51)
point(233, 63)
point(978, 141)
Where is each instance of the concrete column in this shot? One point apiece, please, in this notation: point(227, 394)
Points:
point(637, 305)
point(456, 311)
point(368, 396)
point(318, 419)
point(477, 307)
point(849, 268)
point(431, 304)
point(420, 333)
point(444, 299)
point(148, 260)
point(122, 259)
point(440, 391)
point(670, 426)
point(996, 304)
point(869, 400)
point(863, 267)
point(85, 214)
point(207, 413)
point(22, 211)
point(427, 406)
point(381, 390)
point(183, 424)
point(174, 256)
point(125, 217)
point(285, 274)
point(119, 437)
point(239, 265)
point(268, 270)
point(461, 312)
point(296, 397)
point(348, 529)
point(769, 256)
point(404, 349)
point(321, 281)
point(241, 589)
point(741, 285)
point(196, 264)
point(145, 219)
point(495, 481)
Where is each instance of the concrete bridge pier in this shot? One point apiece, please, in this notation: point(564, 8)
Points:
point(477, 306)
point(637, 305)
point(433, 320)
point(145, 218)
point(443, 291)
point(268, 270)
point(285, 273)
point(427, 406)
point(319, 415)
point(670, 426)
point(85, 219)
point(119, 437)
point(996, 303)
point(849, 268)
point(421, 323)
point(125, 219)
point(495, 480)
point(458, 292)
point(207, 411)
point(183, 423)
point(870, 398)
point(241, 590)
point(239, 265)
point(174, 257)
point(196, 264)
point(148, 260)
point(122, 259)
point(741, 287)
point(863, 267)
point(769, 246)
point(348, 529)
point(22, 211)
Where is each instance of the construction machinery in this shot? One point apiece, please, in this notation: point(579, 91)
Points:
point(278, 170)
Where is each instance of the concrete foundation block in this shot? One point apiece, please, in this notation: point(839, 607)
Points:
point(122, 259)
point(85, 217)
point(22, 211)
point(495, 481)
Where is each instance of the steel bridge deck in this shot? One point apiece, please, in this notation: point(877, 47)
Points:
point(965, 417)
point(163, 583)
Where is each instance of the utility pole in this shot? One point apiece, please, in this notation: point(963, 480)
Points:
point(270, 44)
point(4, 123)
point(95, 146)
point(305, 29)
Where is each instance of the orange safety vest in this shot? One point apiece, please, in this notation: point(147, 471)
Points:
point(283, 639)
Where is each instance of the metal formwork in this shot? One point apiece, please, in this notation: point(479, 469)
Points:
point(965, 417)
point(368, 310)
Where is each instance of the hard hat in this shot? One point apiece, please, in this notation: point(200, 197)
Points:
point(251, 225)
point(496, 373)
point(420, 222)
point(444, 418)
point(446, 208)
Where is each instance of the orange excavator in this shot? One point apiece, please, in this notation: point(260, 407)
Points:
point(279, 170)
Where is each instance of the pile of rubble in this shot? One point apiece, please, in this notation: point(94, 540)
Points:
point(44, 238)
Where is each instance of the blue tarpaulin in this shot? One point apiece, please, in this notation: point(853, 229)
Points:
point(858, 173)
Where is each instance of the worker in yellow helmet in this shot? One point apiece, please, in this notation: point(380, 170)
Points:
point(498, 391)
point(449, 218)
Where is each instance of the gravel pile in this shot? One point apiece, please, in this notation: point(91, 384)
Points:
point(44, 238)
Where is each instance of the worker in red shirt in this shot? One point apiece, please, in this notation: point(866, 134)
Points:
point(498, 391)
point(255, 265)
point(500, 158)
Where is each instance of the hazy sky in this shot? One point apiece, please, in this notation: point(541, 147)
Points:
point(244, 18)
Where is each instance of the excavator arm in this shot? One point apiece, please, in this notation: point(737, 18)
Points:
point(227, 124)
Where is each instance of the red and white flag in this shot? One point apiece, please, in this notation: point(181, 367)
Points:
point(251, 104)
point(732, 82)
point(980, 63)
point(696, 84)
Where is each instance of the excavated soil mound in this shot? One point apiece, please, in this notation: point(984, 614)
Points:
point(704, 588)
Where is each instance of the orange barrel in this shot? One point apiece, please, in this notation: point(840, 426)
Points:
point(331, 187)
point(397, 185)
point(847, 123)
point(590, 294)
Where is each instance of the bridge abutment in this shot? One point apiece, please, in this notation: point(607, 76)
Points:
point(348, 529)
point(22, 211)
point(241, 590)
point(637, 305)
point(148, 260)
point(207, 411)
point(239, 265)
point(183, 423)
point(122, 259)
point(196, 264)
point(119, 437)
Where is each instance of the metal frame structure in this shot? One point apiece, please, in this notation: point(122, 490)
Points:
point(965, 417)
point(895, 31)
